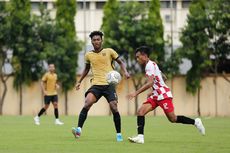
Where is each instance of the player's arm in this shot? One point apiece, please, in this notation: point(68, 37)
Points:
point(43, 85)
point(146, 86)
point(84, 73)
point(123, 68)
point(57, 86)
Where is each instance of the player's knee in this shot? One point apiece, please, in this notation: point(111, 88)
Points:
point(46, 107)
point(140, 112)
point(172, 119)
point(88, 105)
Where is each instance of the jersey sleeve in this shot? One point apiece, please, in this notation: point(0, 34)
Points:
point(87, 58)
point(44, 78)
point(114, 54)
point(150, 70)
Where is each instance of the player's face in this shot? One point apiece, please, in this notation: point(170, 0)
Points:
point(141, 58)
point(51, 68)
point(96, 42)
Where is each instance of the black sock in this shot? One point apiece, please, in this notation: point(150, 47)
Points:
point(185, 120)
point(117, 121)
point(56, 113)
point(140, 124)
point(82, 117)
point(41, 112)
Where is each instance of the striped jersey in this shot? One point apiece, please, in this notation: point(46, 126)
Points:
point(160, 89)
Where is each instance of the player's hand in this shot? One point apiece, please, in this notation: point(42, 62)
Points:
point(127, 75)
point(44, 92)
point(77, 86)
point(131, 96)
point(57, 86)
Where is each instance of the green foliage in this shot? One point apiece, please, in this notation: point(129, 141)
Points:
point(111, 10)
point(3, 33)
point(218, 15)
point(132, 24)
point(195, 44)
point(205, 35)
point(65, 51)
point(25, 43)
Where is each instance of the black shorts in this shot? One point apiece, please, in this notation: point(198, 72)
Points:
point(48, 99)
point(108, 91)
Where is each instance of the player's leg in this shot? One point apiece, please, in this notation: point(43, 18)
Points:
point(116, 119)
point(168, 108)
point(56, 114)
point(43, 109)
point(109, 93)
point(92, 95)
point(142, 111)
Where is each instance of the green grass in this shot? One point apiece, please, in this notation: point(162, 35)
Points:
point(18, 134)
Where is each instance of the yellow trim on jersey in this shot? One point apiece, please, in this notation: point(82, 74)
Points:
point(50, 80)
point(101, 63)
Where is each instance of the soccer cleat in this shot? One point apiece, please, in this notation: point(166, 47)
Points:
point(200, 126)
point(119, 137)
point(36, 120)
point(58, 122)
point(76, 132)
point(137, 139)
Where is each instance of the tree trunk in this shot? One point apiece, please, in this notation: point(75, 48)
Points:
point(3, 95)
point(66, 103)
point(198, 103)
point(20, 99)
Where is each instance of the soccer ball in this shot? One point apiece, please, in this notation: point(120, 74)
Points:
point(113, 77)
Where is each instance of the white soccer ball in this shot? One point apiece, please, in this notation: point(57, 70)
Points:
point(113, 77)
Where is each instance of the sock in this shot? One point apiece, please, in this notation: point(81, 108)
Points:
point(117, 121)
point(56, 113)
point(140, 124)
point(41, 112)
point(82, 117)
point(185, 120)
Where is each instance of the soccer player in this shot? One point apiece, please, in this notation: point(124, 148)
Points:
point(161, 96)
point(100, 61)
point(49, 87)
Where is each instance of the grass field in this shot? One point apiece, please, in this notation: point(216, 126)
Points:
point(18, 134)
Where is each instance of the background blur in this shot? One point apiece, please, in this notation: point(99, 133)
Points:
point(189, 40)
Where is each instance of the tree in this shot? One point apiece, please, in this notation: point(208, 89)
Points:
point(25, 43)
point(205, 41)
point(110, 22)
point(4, 30)
point(138, 24)
point(66, 45)
point(195, 44)
point(218, 33)
point(206, 35)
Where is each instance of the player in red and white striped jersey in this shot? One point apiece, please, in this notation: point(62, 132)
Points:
point(160, 96)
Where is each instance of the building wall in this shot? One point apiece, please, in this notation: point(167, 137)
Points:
point(185, 103)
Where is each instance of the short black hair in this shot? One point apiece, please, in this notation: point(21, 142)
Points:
point(143, 49)
point(94, 33)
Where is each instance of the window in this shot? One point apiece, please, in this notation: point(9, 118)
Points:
point(167, 4)
point(36, 5)
point(80, 5)
point(185, 4)
point(168, 18)
point(100, 5)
